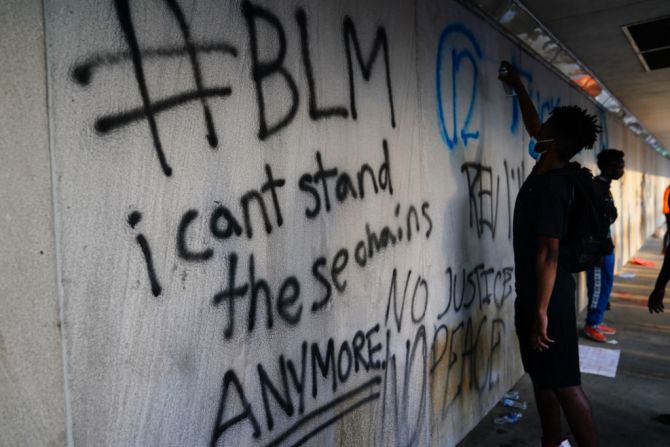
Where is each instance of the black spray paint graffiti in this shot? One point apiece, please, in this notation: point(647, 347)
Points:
point(287, 390)
point(381, 41)
point(308, 393)
point(481, 285)
point(514, 177)
point(223, 224)
point(419, 284)
point(456, 368)
point(133, 219)
point(463, 360)
point(287, 301)
point(484, 191)
point(345, 186)
point(263, 68)
point(334, 364)
point(458, 355)
point(406, 429)
point(323, 369)
point(415, 361)
point(354, 371)
point(262, 211)
point(150, 109)
point(315, 112)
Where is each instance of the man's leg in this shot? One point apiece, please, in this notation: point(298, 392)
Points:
point(606, 291)
point(666, 238)
point(549, 409)
point(591, 279)
point(595, 309)
point(578, 412)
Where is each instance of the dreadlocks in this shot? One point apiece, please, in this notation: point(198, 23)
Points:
point(575, 128)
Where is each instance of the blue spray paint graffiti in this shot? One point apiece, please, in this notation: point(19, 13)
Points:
point(516, 111)
point(458, 56)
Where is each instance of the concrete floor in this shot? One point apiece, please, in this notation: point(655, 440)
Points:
point(625, 407)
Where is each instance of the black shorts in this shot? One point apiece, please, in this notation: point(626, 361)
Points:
point(558, 366)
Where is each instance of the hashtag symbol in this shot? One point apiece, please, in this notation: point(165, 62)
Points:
point(83, 72)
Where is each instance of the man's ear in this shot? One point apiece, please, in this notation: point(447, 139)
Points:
point(564, 143)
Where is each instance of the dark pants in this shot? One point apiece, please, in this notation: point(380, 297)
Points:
point(599, 283)
point(666, 238)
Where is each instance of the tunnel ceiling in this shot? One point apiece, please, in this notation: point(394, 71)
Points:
point(592, 30)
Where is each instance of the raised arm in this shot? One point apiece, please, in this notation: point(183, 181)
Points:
point(531, 120)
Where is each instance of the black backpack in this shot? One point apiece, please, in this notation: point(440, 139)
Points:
point(587, 239)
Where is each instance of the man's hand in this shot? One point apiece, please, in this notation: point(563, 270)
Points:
point(655, 302)
point(531, 120)
point(538, 334)
point(512, 77)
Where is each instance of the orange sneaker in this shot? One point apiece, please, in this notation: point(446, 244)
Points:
point(605, 329)
point(594, 334)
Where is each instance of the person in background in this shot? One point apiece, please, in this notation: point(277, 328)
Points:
point(655, 305)
point(600, 278)
point(655, 301)
point(545, 316)
point(666, 212)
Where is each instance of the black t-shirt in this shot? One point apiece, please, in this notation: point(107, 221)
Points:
point(541, 209)
point(604, 185)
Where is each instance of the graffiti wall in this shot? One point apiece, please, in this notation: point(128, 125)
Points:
point(290, 223)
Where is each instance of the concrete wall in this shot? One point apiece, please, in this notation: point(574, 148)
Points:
point(32, 403)
point(289, 222)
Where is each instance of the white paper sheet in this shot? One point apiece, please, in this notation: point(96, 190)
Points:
point(600, 361)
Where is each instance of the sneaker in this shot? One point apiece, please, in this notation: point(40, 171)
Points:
point(594, 334)
point(564, 443)
point(605, 329)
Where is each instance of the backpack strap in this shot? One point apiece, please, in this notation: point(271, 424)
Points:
point(572, 171)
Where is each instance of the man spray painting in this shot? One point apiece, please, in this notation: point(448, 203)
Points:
point(545, 316)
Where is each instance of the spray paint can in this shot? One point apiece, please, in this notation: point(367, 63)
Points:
point(503, 71)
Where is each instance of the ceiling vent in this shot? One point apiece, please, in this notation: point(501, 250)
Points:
point(651, 42)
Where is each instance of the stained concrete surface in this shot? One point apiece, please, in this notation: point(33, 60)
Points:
point(625, 407)
point(32, 396)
